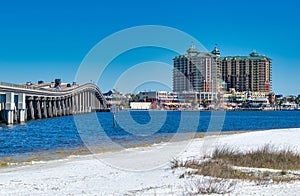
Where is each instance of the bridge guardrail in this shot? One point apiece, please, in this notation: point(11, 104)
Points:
point(17, 85)
point(24, 86)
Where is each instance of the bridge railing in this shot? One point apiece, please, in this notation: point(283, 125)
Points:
point(24, 86)
point(17, 85)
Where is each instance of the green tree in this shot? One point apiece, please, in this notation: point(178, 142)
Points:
point(280, 102)
point(232, 99)
point(297, 100)
point(291, 99)
point(135, 98)
point(205, 103)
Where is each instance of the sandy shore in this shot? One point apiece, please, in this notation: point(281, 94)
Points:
point(143, 170)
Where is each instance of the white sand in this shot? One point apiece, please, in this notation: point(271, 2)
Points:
point(141, 171)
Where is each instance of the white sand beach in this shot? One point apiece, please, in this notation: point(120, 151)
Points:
point(142, 170)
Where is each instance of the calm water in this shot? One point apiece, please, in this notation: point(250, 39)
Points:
point(58, 137)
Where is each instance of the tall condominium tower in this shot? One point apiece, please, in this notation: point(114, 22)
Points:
point(247, 73)
point(197, 72)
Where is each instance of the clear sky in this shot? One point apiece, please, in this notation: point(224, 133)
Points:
point(44, 40)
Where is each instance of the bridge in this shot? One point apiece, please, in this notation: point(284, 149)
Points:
point(19, 103)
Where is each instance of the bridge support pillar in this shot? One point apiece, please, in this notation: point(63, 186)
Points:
point(66, 106)
point(62, 106)
point(97, 103)
point(72, 104)
point(69, 100)
point(10, 107)
point(38, 108)
point(10, 117)
point(76, 104)
point(31, 108)
point(84, 102)
point(59, 112)
point(63, 103)
point(54, 106)
point(45, 110)
point(89, 101)
point(93, 101)
point(50, 113)
point(22, 116)
point(21, 107)
point(80, 103)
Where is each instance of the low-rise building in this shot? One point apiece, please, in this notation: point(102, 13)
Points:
point(161, 96)
point(140, 105)
point(257, 95)
point(237, 97)
point(115, 98)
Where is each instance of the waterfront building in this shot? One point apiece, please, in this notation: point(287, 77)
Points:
point(115, 98)
point(235, 97)
point(247, 73)
point(140, 105)
point(205, 75)
point(257, 95)
point(160, 96)
point(197, 75)
point(240, 97)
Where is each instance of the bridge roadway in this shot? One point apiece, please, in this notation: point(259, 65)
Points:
point(19, 103)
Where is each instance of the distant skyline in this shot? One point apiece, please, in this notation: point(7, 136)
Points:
point(46, 40)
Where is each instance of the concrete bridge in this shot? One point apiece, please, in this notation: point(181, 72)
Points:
point(19, 103)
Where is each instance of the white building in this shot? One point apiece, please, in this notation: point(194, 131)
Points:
point(140, 105)
point(162, 96)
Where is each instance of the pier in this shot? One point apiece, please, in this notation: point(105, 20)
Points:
point(19, 103)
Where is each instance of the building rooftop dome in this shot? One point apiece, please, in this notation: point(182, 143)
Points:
point(192, 49)
point(254, 53)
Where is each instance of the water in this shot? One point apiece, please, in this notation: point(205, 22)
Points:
point(58, 137)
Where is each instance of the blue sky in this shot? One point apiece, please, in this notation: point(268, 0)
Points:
point(44, 40)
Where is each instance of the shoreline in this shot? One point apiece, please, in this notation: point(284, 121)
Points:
point(92, 174)
point(68, 153)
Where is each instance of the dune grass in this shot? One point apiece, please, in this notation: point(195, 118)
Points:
point(224, 162)
point(265, 157)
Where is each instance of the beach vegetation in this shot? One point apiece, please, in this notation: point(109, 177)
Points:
point(211, 186)
point(267, 156)
point(266, 164)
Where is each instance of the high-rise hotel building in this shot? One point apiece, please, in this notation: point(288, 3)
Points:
point(197, 74)
point(204, 75)
point(247, 73)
